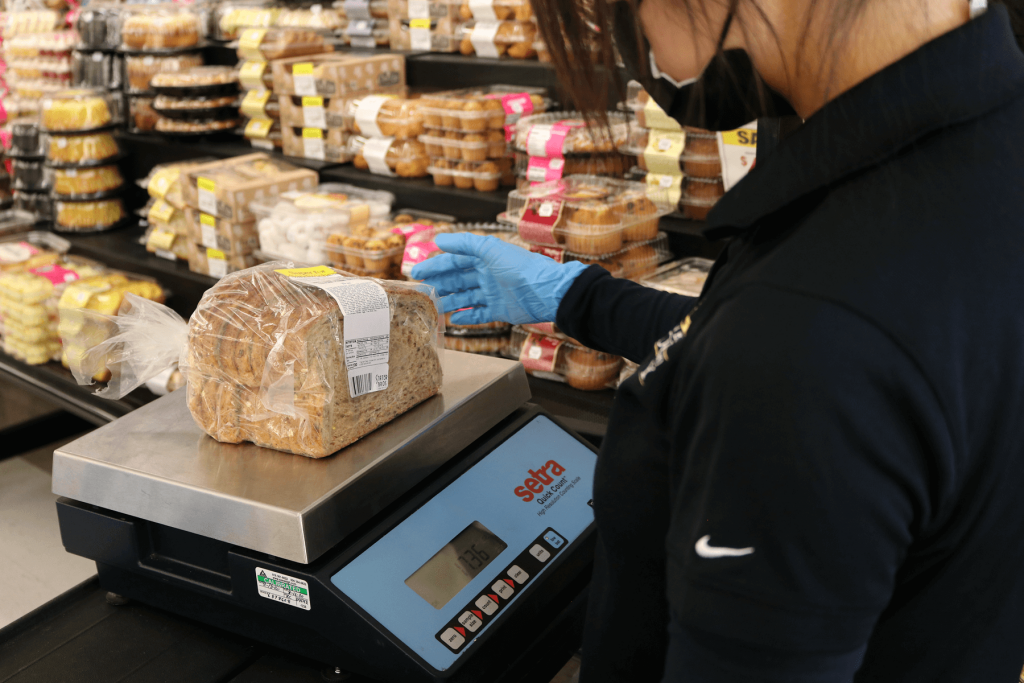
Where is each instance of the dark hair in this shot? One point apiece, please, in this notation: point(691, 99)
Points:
point(576, 30)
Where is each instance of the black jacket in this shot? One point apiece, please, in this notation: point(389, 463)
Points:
point(845, 402)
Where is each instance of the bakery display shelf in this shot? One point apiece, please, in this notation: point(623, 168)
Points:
point(149, 146)
point(55, 383)
point(121, 250)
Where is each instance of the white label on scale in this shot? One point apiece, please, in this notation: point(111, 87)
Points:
point(282, 588)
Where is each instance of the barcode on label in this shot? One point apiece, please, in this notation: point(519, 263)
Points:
point(361, 384)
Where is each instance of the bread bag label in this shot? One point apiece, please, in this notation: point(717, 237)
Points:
point(160, 212)
point(483, 10)
point(419, 9)
point(366, 114)
point(16, 252)
point(161, 239)
point(161, 182)
point(249, 44)
point(416, 252)
point(738, 150)
point(657, 118)
point(207, 195)
point(302, 78)
point(254, 104)
point(671, 185)
point(56, 274)
point(251, 75)
point(313, 143)
point(374, 151)
point(482, 37)
point(538, 221)
point(258, 128)
point(663, 151)
point(540, 353)
point(544, 169)
point(366, 334)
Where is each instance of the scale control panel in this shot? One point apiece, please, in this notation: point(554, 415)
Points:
point(486, 606)
point(444, 575)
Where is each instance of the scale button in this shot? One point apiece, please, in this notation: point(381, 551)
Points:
point(486, 605)
point(539, 552)
point(554, 539)
point(502, 589)
point(470, 622)
point(518, 574)
point(452, 639)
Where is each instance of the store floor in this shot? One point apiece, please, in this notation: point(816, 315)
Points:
point(32, 557)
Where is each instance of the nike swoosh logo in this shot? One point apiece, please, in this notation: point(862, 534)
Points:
point(705, 549)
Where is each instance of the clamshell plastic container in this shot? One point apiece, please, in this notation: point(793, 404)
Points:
point(540, 169)
point(200, 81)
point(483, 176)
point(588, 214)
point(634, 261)
point(29, 175)
point(96, 149)
point(77, 110)
point(367, 33)
point(558, 133)
point(195, 128)
point(492, 10)
point(231, 17)
point(142, 68)
point(385, 156)
point(498, 38)
point(686, 276)
point(99, 27)
point(197, 108)
point(383, 116)
point(332, 144)
point(324, 20)
point(430, 34)
point(278, 43)
point(27, 141)
point(85, 183)
point(563, 361)
point(431, 9)
point(87, 216)
point(97, 70)
point(20, 250)
point(454, 146)
point(165, 26)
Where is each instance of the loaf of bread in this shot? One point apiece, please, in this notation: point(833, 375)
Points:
point(267, 364)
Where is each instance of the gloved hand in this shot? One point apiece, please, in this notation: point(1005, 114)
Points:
point(500, 281)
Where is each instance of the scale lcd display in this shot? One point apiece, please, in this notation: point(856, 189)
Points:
point(455, 565)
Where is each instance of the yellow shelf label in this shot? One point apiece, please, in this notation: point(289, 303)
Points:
point(312, 133)
point(206, 184)
point(315, 271)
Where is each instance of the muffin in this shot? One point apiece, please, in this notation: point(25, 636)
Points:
point(590, 370)
point(453, 151)
point(431, 110)
point(486, 177)
point(701, 188)
point(496, 144)
point(68, 149)
point(593, 230)
point(474, 119)
point(450, 118)
point(701, 142)
point(474, 147)
point(637, 261)
point(464, 176)
point(375, 256)
point(702, 166)
point(441, 170)
point(495, 113)
point(639, 214)
point(433, 144)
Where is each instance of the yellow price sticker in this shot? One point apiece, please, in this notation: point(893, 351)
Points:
point(207, 219)
point(315, 271)
point(258, 128)
point(255, 102)
point(743, 137)
point(419, 23)
point(162, 239)
point(160, 212)
point(303, 69)
point(206, 184)
point(312, 101)
point(312, 133)
point(216, 254)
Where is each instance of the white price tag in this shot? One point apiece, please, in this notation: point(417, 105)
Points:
point(419, 9)
point(366, 115)
point(419, 36)
point(218, 266)
point(313, 113)
point(209, 236)
point(207, 195)
point(537, 140)
point(483, 10)
point(302, 77)
point(374, 151)
point(357, 9)
point(482, 38)
point(313, 143)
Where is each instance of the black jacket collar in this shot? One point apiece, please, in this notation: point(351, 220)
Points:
point(956, 77)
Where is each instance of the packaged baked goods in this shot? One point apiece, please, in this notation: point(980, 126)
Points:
point(686, 276)
point(96, 70)
point(545, 169)
point(237, 363)
point(498, 39)
point(332, 144)
point(367, 33)
point(634, 261)
point(200, 81)
point(430, 9)
point(489, 345)
point(159, 27)
point(231, 18)
point(166, 244)
point(85, 183)
point(161, 215)
point(265, 134)
point(383, 116)
point(430, 34)
point(77, 110)
point(483, 176)
point(99, 26)
point(27, 250)
point(87, 216)
point(216, 263)
point(565, 361)
point(197, 108)
point(475, 110)
point(455, 146)
point(141, 116)
point(29, 174)
point(374, 250)
point(82, 150)
point(37, 203)
point(256, 75)
point(195, 128)
point(164, 181)
point(278, 43)
point(337, 75)
point(26, 141)
point(260, 104)
point(30, 21)
point(216, 233)
point(225, 188)
point(387, 156)
point(491, 10)
point(556, 134)
point(324, 20)
point(141, 68)
point(588, 214)
point(296, 225)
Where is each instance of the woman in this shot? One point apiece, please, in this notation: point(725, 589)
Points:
point(813, 475)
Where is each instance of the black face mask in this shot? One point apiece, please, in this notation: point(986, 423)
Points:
point(727, 95)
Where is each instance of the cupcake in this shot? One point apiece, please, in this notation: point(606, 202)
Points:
point(593, 230)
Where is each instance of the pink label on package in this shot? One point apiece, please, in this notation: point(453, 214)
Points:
point(518, 104)
point(544, 328)
point(551, 252)
point(410, 229)
point(543, 169)
point(55, 274)
point(557, 140)
point(5, 136)
point(416, 252)
point(547, 140)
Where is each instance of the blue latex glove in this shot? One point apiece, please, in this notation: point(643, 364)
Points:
point(500, 281)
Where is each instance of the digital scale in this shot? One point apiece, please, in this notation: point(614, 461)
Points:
point(445, 546)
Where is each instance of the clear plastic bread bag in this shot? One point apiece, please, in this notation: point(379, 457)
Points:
point(304, 360)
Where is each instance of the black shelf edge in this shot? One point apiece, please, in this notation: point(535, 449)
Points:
point(442, 70)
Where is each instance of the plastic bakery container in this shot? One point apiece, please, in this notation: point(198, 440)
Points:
point(474, 110)
point(686, 276)
point(498, 38)
point(563, 361)
point(483, 176)
point(558, 133)
point(78, 110)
